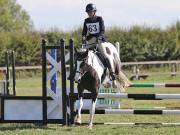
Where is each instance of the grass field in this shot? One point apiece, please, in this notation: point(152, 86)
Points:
point(32, 86)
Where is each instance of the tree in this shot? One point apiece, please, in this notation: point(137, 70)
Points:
point(178, 34)
point(13, 17)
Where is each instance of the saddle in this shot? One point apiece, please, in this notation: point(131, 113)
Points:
point(102, 59)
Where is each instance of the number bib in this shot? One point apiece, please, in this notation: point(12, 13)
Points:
point(93, 28)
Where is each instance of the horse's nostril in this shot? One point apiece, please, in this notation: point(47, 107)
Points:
point(78, 81)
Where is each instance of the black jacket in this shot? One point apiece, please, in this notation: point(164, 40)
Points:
point(93, 27)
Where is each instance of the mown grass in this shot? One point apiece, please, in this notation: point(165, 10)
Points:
point(82, 130)
point(32, 86)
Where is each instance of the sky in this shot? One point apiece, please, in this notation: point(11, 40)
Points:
point(69, 14)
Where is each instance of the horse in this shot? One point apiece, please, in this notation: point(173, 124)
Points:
point(90, 75)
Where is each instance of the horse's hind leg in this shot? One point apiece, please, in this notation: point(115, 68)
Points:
point(92, 112)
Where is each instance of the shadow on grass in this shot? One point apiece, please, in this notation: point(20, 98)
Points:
point(69, 129)
point(17, 126)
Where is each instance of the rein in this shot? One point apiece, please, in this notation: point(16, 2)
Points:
point(82, 74)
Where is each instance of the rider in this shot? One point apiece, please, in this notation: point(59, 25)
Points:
point(93, 31)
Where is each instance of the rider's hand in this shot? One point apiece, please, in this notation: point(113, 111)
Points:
point(83, 46)
point(83, 42)
point(99, 39)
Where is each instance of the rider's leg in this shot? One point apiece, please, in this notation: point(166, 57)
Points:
point(108, 64)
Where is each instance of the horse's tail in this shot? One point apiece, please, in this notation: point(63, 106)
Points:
point(122, 81)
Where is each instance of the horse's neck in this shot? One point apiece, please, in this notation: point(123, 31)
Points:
point(97, 65)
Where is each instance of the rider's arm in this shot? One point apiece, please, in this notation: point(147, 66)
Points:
point(84, 31)
point(102, 27)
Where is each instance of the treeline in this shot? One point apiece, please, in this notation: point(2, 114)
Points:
point(143, 43)
point(137, 43)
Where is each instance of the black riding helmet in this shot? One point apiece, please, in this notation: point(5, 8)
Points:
point(90, 7)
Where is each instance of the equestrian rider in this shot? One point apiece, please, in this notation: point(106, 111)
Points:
point(93, 31)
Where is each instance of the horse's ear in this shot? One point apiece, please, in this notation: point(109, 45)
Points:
point(85, 54)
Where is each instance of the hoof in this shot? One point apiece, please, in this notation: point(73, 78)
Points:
point(90, 126)
point(114, 84)
point(78, 121)
point(107, 85)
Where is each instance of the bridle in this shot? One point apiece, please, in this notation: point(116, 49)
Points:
point(78, 71)
point(81, 73)
point(85, 61)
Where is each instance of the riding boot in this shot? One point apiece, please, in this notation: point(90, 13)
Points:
point(112, 74)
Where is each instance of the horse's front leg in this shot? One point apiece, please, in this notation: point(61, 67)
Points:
point(80, 105)
point(92, 112)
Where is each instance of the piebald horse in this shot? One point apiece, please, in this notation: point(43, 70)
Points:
point(89, 72)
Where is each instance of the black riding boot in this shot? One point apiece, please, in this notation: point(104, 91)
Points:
point(112, 74)
point(103, 57)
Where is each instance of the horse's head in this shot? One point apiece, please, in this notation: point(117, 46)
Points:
point(81, 58)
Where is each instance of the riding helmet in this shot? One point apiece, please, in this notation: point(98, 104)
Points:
point(90, 7)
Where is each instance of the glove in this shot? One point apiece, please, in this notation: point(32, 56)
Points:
point(99, 39)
